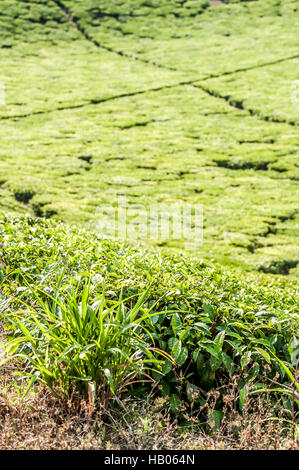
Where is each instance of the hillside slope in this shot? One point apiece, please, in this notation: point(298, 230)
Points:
point(256, 318)
point(173, 102)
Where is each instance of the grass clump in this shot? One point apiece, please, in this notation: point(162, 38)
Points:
point(23, 195)
point(65, 341)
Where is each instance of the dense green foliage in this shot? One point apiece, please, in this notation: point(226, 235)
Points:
point(214, 324)
point(65, 342)
point(161, 101)
point(173, 101)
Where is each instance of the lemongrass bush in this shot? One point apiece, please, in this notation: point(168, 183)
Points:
point(212, 324)
point(63, 339)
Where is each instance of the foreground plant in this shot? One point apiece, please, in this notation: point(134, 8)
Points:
point(64, 340)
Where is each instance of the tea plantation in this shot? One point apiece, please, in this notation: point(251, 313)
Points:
point(173, 102)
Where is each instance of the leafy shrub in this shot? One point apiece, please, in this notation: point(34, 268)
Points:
point(23, 194)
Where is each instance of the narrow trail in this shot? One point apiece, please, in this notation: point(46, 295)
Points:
point(250, 67)
point(195, 82)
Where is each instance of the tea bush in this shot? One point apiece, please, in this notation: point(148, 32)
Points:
point(213, 324)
